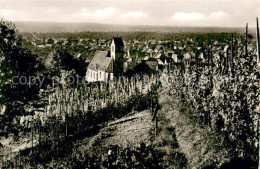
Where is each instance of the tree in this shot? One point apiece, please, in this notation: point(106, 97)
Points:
point(15, 62)
point(50, 41)
point(63, 60)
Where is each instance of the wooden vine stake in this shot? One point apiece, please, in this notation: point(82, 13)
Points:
point(246, 38)
point(211, 57)
point(257, 40)
point(32, 134)
point(208, 53)
point(232, 53)
point(227, 55)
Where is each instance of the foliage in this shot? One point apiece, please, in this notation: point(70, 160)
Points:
point(63, 60)
point(16, 61)
point(139, 69)
point(50, 41)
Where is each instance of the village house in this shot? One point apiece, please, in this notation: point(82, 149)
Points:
point(105, 65)
point(175, 58)
point(152, 64)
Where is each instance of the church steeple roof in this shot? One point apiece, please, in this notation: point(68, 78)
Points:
point(118, 41)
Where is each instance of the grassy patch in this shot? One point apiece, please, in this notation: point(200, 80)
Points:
point(166, 140)
point(178, 160)
point(188, 112)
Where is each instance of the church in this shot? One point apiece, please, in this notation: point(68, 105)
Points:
point(105, 65)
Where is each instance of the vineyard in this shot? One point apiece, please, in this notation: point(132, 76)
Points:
point(225, 102)
point(91, 106)
point(222, 93)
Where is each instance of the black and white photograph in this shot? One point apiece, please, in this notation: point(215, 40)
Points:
point(129, 84)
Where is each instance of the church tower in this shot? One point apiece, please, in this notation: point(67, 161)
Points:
point(117, 48)
point(117, 52)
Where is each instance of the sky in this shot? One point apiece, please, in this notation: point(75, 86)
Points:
point(222, 13)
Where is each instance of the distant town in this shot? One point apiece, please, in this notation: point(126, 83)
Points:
point(156, 54)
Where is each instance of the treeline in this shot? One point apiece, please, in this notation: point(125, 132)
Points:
point(15, 61)
point(130, 35)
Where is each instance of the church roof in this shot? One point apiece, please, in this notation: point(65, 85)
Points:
point(112, 68)
point(102, 61)
point(118, 41)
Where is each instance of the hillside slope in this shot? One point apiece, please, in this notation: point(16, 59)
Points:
point(133, 141)
point(125, 132)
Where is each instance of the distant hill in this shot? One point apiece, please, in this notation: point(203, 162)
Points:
point(46, 27)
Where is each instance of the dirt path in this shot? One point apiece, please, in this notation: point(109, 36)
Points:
point(200, 147)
